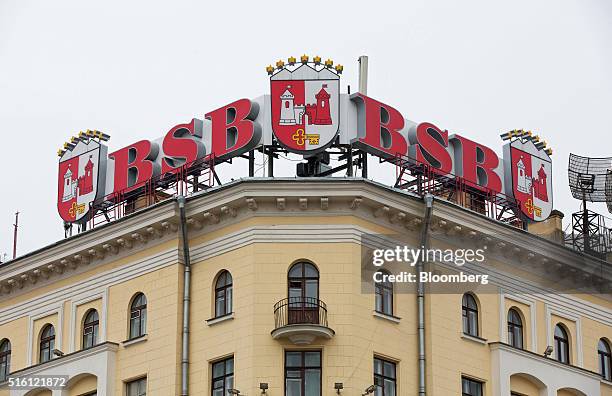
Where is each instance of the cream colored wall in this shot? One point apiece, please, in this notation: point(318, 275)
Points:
point(158, 356)
point(83, 386)
point(260, 280)
point(523, 386)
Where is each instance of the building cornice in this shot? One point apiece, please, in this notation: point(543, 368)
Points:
point(217, 207)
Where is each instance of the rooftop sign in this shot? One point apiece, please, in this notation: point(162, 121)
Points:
point(304, 113)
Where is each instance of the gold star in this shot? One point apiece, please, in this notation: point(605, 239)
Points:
point(270, 69)
point(60, 152)
point(317, 60)
point(339, 69)
point(291, 60)
point(280, 64)
point(304, 58)
point(329, 63)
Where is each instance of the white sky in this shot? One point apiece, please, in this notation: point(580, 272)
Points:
point(133, 69)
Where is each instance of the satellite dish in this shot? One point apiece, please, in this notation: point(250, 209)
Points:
point(590, 180)
point(588, 177)
point(609, 190)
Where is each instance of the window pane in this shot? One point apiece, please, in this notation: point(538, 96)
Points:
point(294, 387)
point(229, 366)
point(389, 388)
point(389, 370)
point(312, 382)
point(218, 369)
point(135, 327)
point(310, 271)
point(313, 359)
point(312, 289)
point(229, 383)
point(143, 321)
point(293, 359)
point(296, 271)
point(378, 366)
point(387, 298)
point(228, 306)
point(379, 303)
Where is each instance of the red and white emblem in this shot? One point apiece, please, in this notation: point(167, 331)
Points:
point(531, 178)
point(305, 108)
point(80, 181)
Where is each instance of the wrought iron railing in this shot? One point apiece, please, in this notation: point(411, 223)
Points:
point(300, 310)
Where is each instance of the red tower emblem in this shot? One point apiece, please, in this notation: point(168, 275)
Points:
point(305, 103)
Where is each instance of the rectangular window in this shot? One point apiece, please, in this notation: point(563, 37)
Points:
point(303, 373)
point(222, 377)
point(137, 387)
point(470, 387)
point(385, 378)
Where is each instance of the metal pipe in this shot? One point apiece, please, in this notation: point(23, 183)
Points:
point(16, 227)
point(421, 293)
point(363, 74)
point(186, 299)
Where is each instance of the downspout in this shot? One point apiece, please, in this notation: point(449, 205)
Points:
point(421, 292)
point(186, 299)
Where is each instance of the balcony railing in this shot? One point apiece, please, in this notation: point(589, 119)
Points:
point(300, 310)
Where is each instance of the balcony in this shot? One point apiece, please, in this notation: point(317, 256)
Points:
point(301, 320)
point(97, 361)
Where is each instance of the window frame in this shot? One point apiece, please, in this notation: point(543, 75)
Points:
point(46, 343)
point(562, 341)
point(223, 377)
point(512, 326)
point(142, 311)
point(137, 380)
point(474, 381)
point(94, 325)
point(302, 369)
point(465, 310)
point(382, 376)
point(5, 359)
point(303, 279)
point(605, 359)
point(379, 290)
point(218, 289)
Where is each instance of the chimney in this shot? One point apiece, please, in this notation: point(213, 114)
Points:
point(551, 228)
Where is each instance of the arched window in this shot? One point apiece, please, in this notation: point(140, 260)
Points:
point(138, 316)
point(5, 359)
point(303, 293)
point(562, 344)
point(384, 295)
point(470, 315)
point(90, 329)
point(47, 343)
point(605, 359)
point(223, 294)
point(515, 329)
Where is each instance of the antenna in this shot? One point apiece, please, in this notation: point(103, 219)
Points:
point(590, 180)
point(16, 226)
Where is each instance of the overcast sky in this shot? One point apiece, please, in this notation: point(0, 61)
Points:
point(134, 69)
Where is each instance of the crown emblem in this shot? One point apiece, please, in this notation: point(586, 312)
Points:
point(83, 137)
point(292, 64)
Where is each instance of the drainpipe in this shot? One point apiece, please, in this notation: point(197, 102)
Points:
point(421, 293)
point(186, 299)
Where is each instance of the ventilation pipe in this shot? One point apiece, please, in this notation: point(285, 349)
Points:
point(186, 299)
point(421, 293)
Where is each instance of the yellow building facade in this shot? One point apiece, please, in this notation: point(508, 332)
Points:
point(277, 303)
